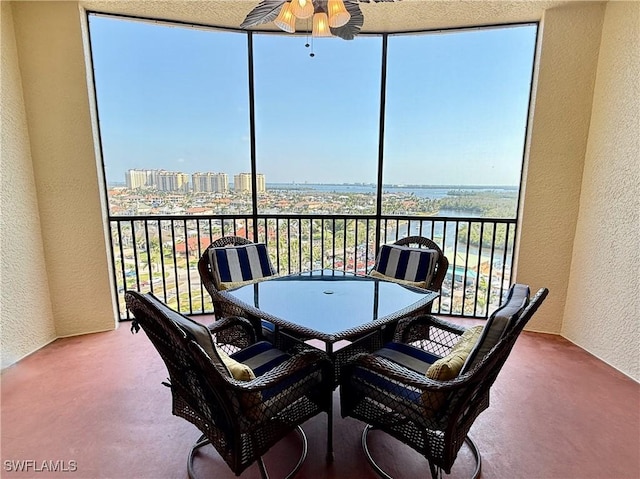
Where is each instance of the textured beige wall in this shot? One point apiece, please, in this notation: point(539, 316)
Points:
point(26, 318)
point(602, 313)
point(568, 54)
point(52, 63)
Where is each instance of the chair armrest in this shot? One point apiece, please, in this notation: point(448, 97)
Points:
point(233, 330)
point(231, 322)
point(419, 328)
point(283, 372)
point(410, 396)
point(302, 382)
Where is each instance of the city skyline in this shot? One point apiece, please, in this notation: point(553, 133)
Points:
point(127, 182)
point(178, 181)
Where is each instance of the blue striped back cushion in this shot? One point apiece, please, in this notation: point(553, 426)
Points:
point(240, 263)
point(407, 263)
point(498, 324)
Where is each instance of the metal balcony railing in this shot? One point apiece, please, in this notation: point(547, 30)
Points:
point(160, 253)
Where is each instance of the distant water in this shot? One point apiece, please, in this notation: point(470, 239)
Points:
point(426, 192)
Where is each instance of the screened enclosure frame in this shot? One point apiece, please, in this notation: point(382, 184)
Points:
point(255, 215)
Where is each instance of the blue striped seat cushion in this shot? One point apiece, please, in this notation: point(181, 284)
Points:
point(406, 263)
point(262, 357)
point(392, 391)
point(240, 264)
point(408, 356)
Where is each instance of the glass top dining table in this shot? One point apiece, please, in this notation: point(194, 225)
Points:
point(330, 305)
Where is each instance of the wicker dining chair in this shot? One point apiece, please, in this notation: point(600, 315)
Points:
point(210, 278)
point(428, 385)
point(243, 403)
point(432, 258)
point(436, 276)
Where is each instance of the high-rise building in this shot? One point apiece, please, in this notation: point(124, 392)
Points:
point(242, 182)
point(137, 179)
point(200, 182)
point(210, 182)
point(182, 180)
point(172, 181)
point(152, 177)
point(220, 183)
point(141, 178)
point(261, 183)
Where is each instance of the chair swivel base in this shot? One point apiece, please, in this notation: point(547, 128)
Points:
point(203, 441)
point(383, 474)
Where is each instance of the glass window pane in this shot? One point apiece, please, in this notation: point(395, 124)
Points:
point(172, 102)
point(317, 123)
point(456, 111)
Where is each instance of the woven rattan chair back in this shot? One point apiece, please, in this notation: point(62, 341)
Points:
point(221, 308)
point(204, 264)
point(442, 264)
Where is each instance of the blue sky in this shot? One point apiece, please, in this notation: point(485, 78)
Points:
point(177, 98)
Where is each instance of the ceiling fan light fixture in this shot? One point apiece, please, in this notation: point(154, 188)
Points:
point(320, 25)
point(338, 14)
point(286, 19)
point(302, 8)
point(340, 18)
